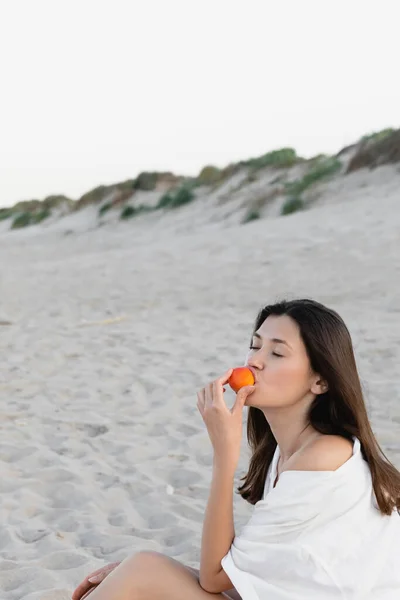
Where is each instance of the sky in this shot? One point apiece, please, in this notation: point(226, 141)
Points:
point(93, 92)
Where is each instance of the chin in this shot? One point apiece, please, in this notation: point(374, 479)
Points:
point(250, 400)
point(260, 402)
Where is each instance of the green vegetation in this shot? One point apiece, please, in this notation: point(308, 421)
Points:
point(381, 148)
point(92, 197)
point(377, 136)
point(41, 215)
point(128, 212)
point(27, 206)
point(103, 209)
point(229, 171)
point(127, 185)
point(285, 157)
point(55, 200)
point(165, 201)
point(372, 150)
point(182, 196)
point(292, 204)
point(5, 213)
point(146, 181)
point(209, 175)
point(22, 220)
point(323, 168)
point(251, 215)
point(131, 211)
point(30, 218)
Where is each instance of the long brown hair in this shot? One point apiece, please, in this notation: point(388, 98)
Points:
point(341, 410)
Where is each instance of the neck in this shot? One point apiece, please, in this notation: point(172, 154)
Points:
point(290, 433)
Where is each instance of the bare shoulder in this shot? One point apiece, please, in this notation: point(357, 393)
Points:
point(325, 453)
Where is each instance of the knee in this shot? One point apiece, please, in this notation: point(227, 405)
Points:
point(147, 555)
point(143, 564)
point(145, 558)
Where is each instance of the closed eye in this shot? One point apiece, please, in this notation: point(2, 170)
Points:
point(274, 353)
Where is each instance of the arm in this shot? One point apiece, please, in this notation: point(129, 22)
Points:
point(218, 530)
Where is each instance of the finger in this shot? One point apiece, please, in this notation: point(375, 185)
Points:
point(217, 393)
point(89, 592)
point(218, 389)
point(98, 575)
point(84, 587)
point(104, 571)
point(208, 395)
point(224, 378)
point(201, 396)
point(241, 397)
point(200, 401)
point(98, 578)
point(80, 592)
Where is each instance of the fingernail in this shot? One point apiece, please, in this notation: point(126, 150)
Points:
point(94, 579)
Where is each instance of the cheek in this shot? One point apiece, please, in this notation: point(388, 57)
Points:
point(286, 373)
point(280, 385)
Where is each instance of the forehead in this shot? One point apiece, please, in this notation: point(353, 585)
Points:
point(282, 327)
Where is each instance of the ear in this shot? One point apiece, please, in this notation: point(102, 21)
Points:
point(319, 386)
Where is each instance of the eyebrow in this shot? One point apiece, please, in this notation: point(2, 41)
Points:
point(276, 340)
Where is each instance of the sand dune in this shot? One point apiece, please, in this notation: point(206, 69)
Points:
point(112, 331)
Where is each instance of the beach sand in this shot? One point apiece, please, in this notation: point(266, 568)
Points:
point(107, 336)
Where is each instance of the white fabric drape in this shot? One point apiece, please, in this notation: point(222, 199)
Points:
point(317, 535)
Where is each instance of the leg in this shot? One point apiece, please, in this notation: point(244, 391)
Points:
point(154, 576)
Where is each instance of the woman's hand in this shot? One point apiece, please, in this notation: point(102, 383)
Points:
point(91, 581)
point(224, 425)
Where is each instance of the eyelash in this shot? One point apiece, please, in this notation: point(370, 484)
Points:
point(274, 353)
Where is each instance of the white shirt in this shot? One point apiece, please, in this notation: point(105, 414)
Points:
point(317, 535)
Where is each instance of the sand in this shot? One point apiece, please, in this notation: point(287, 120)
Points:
point(108, 333)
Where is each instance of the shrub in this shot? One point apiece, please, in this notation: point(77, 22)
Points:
point(374, 152)
point(323, 168)
point(209, 175)
point(251, 215)
point(377, 136)
point(165, 201)
point(103, 209)
point(292, 204)
point(285, 157)
point(57, 200)
point(41, 216)
point(146, 181)
point(133, 211)
point(27, 206)
point(182, 196)
point(5, 213)
point(92, 197)
point(230, 170)
point(22, 220)
point(129, 185)
point(128, 212)
point(317, 158)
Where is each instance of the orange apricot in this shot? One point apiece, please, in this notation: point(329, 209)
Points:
point(240, 377)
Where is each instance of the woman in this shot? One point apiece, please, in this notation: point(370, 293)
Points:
point(326, 498)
